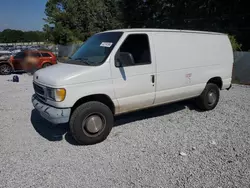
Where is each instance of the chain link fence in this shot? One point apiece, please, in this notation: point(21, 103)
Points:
point(241, 67)
point(62, 51)
point(68, 50)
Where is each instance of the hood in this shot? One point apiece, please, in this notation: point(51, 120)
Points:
point(63, 74)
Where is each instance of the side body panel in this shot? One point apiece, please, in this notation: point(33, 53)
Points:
point(186, 61)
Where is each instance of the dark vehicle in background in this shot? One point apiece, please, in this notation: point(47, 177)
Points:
point(4, 65)
point(14, 63)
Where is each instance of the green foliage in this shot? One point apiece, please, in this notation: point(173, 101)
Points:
point(74, 20)
point(13, 36)
point(235, 45)
point(70, 20)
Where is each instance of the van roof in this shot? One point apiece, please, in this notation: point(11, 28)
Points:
point(164, 30)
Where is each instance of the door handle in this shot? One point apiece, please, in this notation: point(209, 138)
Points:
point(153, 79)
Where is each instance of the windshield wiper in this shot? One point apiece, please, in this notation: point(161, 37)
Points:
point(82, 60)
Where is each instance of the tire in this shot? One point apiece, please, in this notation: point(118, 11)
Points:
point(209, 98)
point(88, 117)
point(46, 65)
point(5, 69)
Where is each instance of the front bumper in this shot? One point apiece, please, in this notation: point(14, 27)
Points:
point(52, 114)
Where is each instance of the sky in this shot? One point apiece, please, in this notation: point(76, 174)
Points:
point(26, 15)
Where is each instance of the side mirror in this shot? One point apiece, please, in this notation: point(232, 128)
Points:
point(124, 59)
point(118, 62)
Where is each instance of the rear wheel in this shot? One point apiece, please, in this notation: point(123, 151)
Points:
point(5, 69)
point(91, 123)
point(209, 98)
point(46, 65)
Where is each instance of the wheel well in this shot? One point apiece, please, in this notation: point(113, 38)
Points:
point(97, 97)
point(47, 63)
point(217, 81)
point(6, 63)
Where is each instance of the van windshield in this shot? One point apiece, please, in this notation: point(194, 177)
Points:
point(96, 49)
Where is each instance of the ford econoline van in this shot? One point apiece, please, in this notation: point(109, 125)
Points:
point(119, 71)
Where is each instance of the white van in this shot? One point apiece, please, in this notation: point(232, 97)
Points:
point(120, 71)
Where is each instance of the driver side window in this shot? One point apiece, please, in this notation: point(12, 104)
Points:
point(20, 55)
point(138, 46)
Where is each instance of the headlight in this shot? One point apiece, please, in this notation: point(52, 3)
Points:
point(56, 94)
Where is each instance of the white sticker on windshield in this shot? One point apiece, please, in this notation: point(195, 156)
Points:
point(106, 44)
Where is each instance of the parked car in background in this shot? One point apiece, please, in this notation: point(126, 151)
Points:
point(14, 52)
point(5, 52)
point(4, 56)
point(15, 63)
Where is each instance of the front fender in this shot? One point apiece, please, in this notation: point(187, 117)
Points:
point(78, 91)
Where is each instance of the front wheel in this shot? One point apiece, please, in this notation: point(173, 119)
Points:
point(209, 98)
point(91, 123)
point(5, 69)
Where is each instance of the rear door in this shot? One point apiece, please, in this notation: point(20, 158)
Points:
point(38, 58)
point(46, 57)
point(134, 85)
point(17, 60)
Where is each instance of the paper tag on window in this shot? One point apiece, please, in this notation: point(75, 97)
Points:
point(106, 44)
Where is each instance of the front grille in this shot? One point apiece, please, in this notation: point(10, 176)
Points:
point(40, 91)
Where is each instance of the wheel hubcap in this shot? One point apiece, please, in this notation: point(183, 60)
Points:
point(4, 69)
point(211, 97)
point(93, 124)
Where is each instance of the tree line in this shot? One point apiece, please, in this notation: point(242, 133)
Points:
point(14, 36)
point(72, 20)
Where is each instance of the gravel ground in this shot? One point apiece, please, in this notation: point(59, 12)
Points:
point(143, 149)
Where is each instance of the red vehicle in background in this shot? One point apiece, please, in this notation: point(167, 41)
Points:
point(16, 63)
